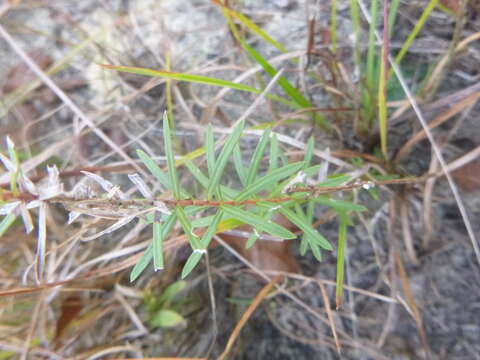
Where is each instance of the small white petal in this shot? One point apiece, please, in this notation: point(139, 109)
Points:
point(117, 225)
point(7, 208)
point(26, 218)
point(72, 216)
point(7, 163)
point(28, 185)
point(141, 185)
point(299, 178)
point(34, 204)
point(161, 207)
point(200, 251)
point(41, 241)
point(105, 184)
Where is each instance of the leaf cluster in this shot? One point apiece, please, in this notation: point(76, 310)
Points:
point(262, 194)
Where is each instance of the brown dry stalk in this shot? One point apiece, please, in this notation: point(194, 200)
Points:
point(311, 190)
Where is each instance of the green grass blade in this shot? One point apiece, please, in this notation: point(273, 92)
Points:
point(187, 228)
point(339, 205)
point(157, 246)
point(335, 180)
point(152, 166)
point(197, 173)
point(392, 15)
point(239, 167)
point(371, 47)
point(258, 222)
point(142, 263)
point(306, 228)
point(252, 239)
point(416, 29)
point(342, 239)
point(7, 221)
point(210, 149)
point(192, 261)
point(250, 25)
point(172, 170)
point(333, 26)
point(211, 230)
point(270, 178)
point(257, 157)
point(199, 79)
point(222, 160)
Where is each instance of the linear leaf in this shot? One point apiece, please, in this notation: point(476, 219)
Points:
point(270, 178)
point(203, 180)
point(192, 261)
point(239, 167)
point(342, 239)
point(154, 169)
point(252, 239)
point(142, 263)
point(187, 228)
point(166, 318)
point(335, 180)
point(157, 246)
point(172, 170)
point(249, 24)
point(199, 79)
point(210, 146)
point(221, 162)
point(7, 221)
point(197, 173)
point(339, 204)
point(211, 230)
point(257, 157)
point(259, 222)
point(306, 228)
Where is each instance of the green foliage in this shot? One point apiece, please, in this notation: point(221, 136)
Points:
point(162, 310)
point(254, 204)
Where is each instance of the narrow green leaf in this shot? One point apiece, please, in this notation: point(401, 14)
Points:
point(197, 173)
point(172, 170)
point(239, 167)
point(335, 180)
point(258, 222)
point(252, 239)
point(222, 160)
point(187, 228)
point(142, 263)
point(171, 291)
point(157, 246)
point(211, 230)
point(274, 153)
point(192, 261)
point(249, 24)
point(270, 178)
point(316, 251)
point(342, 239)
point(303, 245)
point(210, 146)
point(154, 169)
point(166, 318)
point(340, 205)
point(199, 79)
point(7, 221)
point(306, 228)
point(257, 157)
